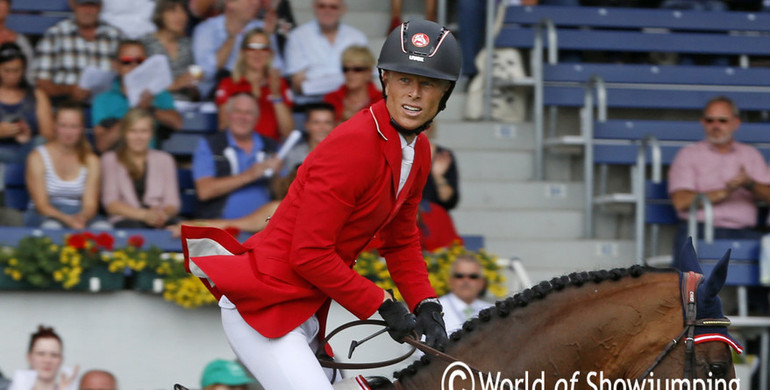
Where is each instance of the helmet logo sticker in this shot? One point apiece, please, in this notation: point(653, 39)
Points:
point(420, 40)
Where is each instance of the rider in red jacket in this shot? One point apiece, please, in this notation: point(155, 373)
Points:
point(362, 184)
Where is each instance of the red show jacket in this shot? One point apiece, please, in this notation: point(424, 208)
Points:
point(343, 197)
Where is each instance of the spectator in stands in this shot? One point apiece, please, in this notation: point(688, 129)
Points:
point(229, 167)
point(314, 51)
point(139, 185)
point(215, 41)
point(395, 13)
point(133, 18)
point(319, 123)
point(25, 112)
point(254, 222)
point(109, 107)
point(253, 74)
point(9, 36)
point(359, 91)
point(277, 15)
point(442, 187)
point(45, 357)
point(170, 40)
point(63, 176)
point(466, 286)
point(731, 174)
point(225, 375)
point(98, 380)
point(71, 45)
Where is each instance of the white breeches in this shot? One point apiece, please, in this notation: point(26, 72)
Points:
point(283, 363)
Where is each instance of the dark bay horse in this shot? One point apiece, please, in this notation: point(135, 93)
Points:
point(585, 327)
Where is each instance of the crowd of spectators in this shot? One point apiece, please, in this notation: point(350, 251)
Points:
point(93, 155)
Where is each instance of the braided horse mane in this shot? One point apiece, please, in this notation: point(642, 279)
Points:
point(504, 307)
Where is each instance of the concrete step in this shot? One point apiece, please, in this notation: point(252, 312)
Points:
point(496, 195)
point(502, 165)
point(501, 224)
point(467, 135)
point(545, 259)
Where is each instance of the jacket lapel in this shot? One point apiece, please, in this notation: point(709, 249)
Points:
point(391, 146)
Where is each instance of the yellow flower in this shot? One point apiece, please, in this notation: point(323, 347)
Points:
point(16, 275)
point(13, 262)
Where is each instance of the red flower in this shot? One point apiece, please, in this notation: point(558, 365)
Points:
point(234, 231)
point(94, 249)
point(88, 236)
point(136, 241)
point(105, 241)
point(77, 241)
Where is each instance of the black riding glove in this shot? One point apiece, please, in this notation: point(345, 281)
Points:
point(430, 322)
point(400, 321)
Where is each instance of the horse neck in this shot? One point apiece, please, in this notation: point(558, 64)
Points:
point(589, 328)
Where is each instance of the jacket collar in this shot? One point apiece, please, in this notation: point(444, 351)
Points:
point(392, 147)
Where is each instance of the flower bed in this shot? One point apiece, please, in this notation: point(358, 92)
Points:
point(90, 262)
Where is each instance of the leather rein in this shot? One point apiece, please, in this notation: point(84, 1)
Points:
point(689, 287)
point(414, 342)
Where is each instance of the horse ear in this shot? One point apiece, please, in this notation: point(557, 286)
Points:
point(718, 276)
point(688, 260)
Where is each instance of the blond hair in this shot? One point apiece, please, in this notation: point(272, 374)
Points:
point(132, 116)
point(358, 54)
point(239, 69)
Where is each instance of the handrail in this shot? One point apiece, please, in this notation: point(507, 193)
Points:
point(708, 220)
point(639, 187)
point(489, 47)
point(536, 65)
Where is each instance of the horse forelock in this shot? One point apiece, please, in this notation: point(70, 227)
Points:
point(503, 308)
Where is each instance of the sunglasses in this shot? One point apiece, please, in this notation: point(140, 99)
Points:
point(711, 119)
point(257, 46)
point(346, 69)
point(131, 60)
point(332, 7)
point(458, 275)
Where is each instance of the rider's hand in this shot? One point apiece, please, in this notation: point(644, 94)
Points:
point(400, 321)
point(430, 323)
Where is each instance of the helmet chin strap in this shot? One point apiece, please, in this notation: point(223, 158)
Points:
point(406, 132)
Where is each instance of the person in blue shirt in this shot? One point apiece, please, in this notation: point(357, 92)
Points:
point(232, 168)
point(110, 107)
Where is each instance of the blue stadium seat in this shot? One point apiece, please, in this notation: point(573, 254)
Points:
point(187, 192)
point(16, 195)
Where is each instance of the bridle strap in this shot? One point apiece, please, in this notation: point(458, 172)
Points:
point(689, 287)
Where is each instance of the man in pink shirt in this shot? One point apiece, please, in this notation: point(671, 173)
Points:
point(731, 174)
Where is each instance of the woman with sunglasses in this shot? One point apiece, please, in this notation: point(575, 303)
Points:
point(110, 107)
point(170, 40)
point(255, 75)
point(359, 91)
point(25, 111)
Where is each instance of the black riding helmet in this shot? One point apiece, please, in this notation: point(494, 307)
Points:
point(423, 48)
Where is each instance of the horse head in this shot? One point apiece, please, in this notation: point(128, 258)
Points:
point(713, 342)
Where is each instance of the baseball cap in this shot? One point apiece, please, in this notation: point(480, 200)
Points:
point(224, 372)
point(79, 2)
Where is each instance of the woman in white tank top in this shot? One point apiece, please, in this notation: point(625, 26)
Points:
point(63, 176)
